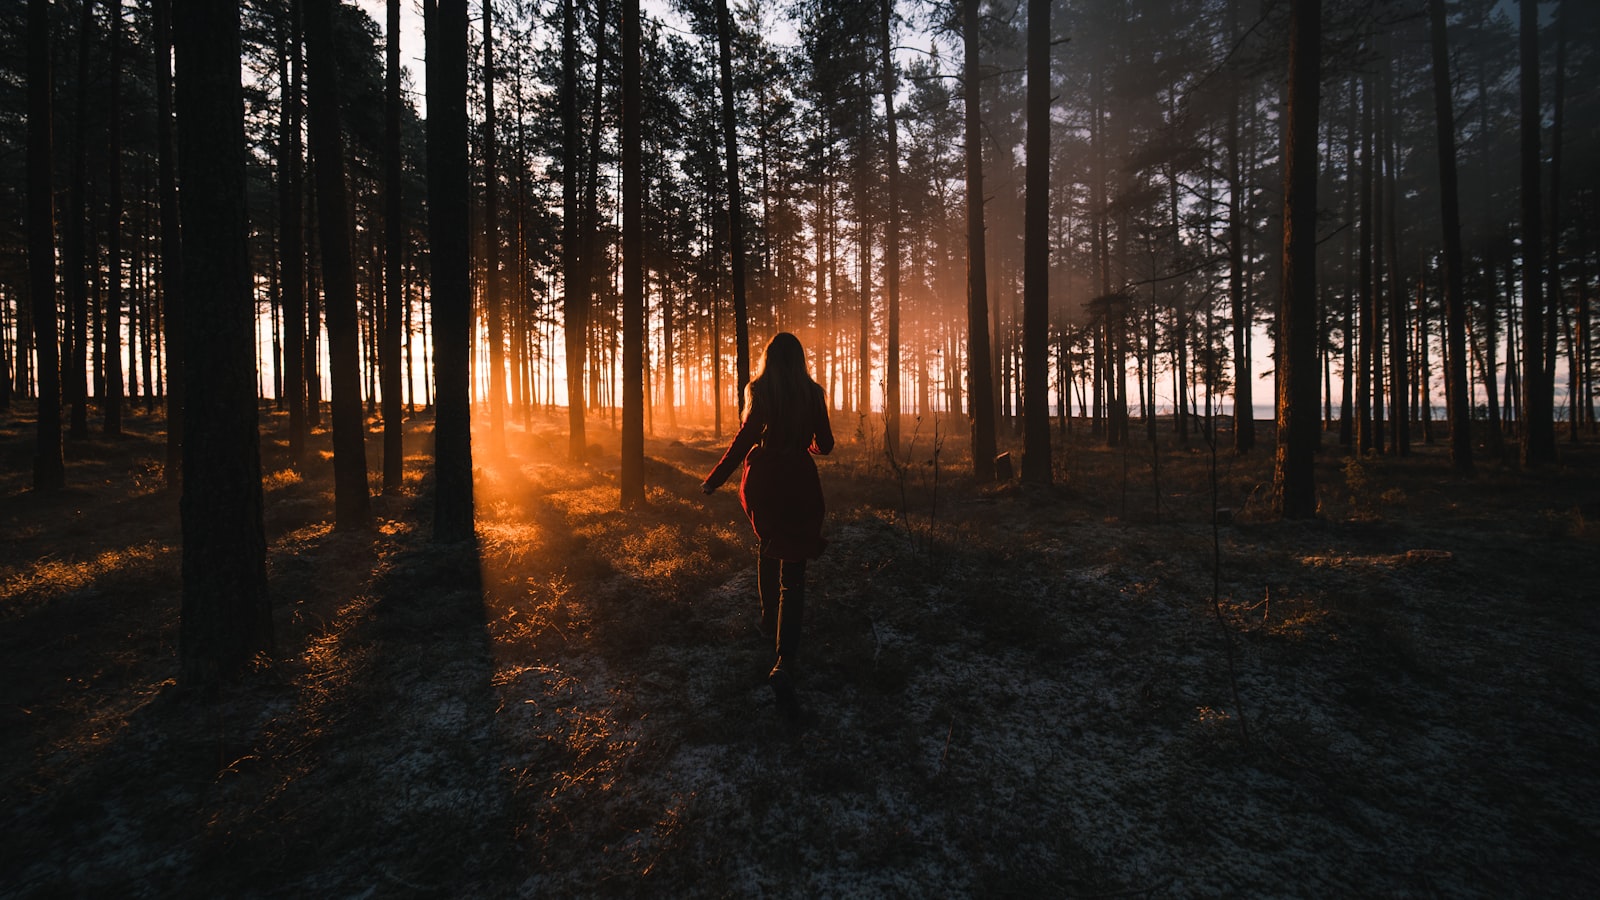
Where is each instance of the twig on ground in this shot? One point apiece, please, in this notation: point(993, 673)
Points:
point(943, 756)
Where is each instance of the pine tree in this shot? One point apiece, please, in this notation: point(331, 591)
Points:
point(1299, 427)
point(450, 262)
point(226, 614)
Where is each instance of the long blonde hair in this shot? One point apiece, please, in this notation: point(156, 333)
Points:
point(784, 391)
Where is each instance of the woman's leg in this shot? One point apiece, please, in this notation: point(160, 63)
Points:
point(768, 582)
point(791, 609)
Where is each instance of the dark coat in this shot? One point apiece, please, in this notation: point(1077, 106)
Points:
point(780, 491)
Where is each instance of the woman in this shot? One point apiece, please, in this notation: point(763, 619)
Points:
point(786, 420)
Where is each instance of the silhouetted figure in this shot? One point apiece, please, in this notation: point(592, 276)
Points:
point(786, 420)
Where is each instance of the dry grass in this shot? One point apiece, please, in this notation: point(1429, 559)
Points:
point(1006, 690)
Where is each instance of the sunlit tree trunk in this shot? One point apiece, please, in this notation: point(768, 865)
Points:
point(492, 301)
point(291, 242)
point(573, 277)
point(394, 250)
point(352, 505)
point(1459, 391)
point(49, 469)
point(730, 140)
point(446, 24)
point(1036, 255)
point(891, 252)
point(863, 371)
point(980, 390)
point(171, 242)
point(1298, 427)
point(226, 613)
point(632, 475)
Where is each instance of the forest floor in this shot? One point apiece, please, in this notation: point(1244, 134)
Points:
point(1083, 691)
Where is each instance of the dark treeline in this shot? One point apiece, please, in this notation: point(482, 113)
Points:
point(960, 211)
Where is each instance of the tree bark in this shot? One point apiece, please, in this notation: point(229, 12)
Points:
point(1459, 391)
point(573, 274)
point(226, 612)
point(352, 504)
point(891, 251)
point(49, 468)
point(494, 305)
point(451, 259)
point(980, 390)
point(75, 276)
point(730, 142)
point(291, 244)
point(1537, 419)
point(111, 400)
point(1036, 255)
point(171, 242)
point(1558, 307)
point(394, 250)
point(1298, 425)
point(1399, 365)
point(1244, 421)
point(631, 479)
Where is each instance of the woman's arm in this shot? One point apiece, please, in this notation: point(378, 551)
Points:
point(822, 443)
point(749, 433)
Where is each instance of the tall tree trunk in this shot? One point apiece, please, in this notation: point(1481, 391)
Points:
point(891, 249)
point(980, 385)
point(1347, 433)
point(864, 285)
point(394, 249)
point(7, 347)
point(75, 276)
point(113, 334)
point(1558, 306)
point(1537, 419)
point(492, 302)
point(1298, 427)
point(730, 142)
point(226, 611)
point(1244, 417)
point(1459, 391)
point(1036, 255)
point(352, 504)
point(1583, 360)
point(632, 475)
point(1491, 341)
point(291, 245)
point(594, 257)
point(49, 469)
point(1399, 366)
point(1423, 390)
point(1374, 236)
point(446, 24)
point(1365, 442)
point(573, 274)
point(171, 243)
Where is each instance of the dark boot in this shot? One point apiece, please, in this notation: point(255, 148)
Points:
point(781, 680)
point(791, 615)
